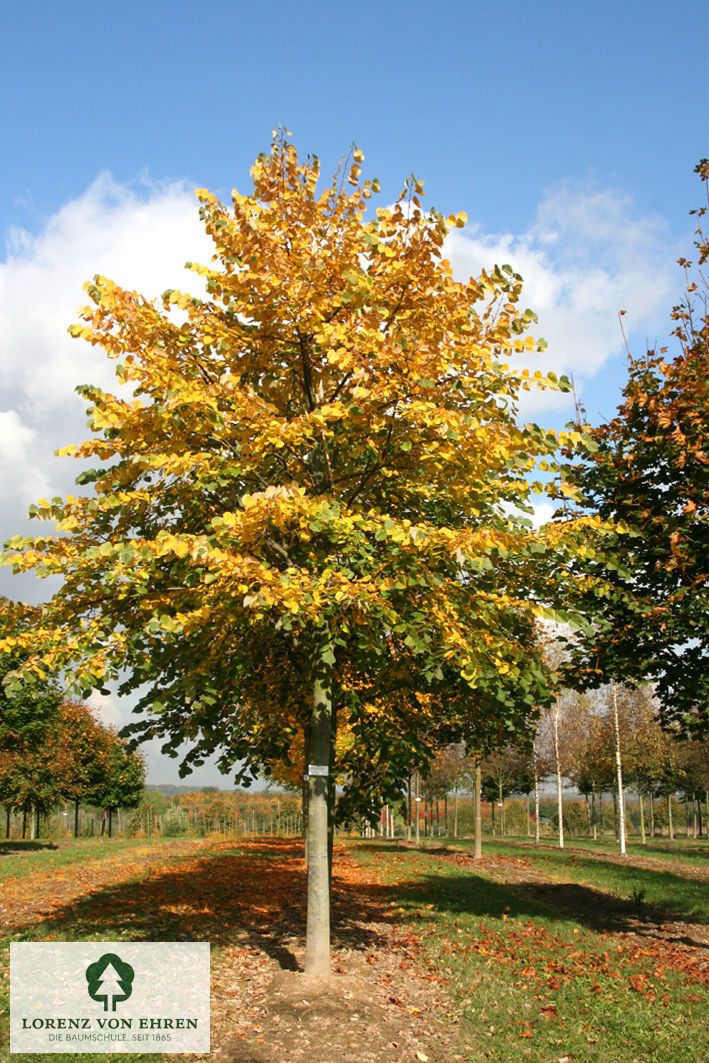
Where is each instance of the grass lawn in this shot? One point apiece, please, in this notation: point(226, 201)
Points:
point(547, 955)
point(20, 859)
point(563, 968)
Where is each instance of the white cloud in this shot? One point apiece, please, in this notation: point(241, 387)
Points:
point(587, 255)
point(21, 476)
point(108, 710)
point(140, 236)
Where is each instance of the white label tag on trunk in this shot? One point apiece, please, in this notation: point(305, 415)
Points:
point(318, 769)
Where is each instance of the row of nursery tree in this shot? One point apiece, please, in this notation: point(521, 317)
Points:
point(54, 750)
point(602, 742)
point(305, 538)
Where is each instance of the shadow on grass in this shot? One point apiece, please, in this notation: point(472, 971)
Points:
point(7, 847)
point(635, 849)
point(252, 897)
point(471, 894)
point(672, 849)
point(676, 894)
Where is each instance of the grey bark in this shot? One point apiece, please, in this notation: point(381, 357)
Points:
point(317, 944)
point(619, 772)
point(417, 806)
point(477, 807)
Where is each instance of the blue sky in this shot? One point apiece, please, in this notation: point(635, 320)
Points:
point(567, 132)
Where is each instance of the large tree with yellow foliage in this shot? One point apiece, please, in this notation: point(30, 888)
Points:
point(310, 488)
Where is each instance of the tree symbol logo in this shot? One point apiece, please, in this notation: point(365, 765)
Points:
point(110, 980)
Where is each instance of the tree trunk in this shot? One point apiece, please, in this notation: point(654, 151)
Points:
point(409, 810)
point(317, 944)
point(477, 807)
point(110, 822)
point(7, 822)
point(593, 815)
point(331, 797)
point(537, 824)
point(526, 809)
point(557, 766)
point(652, 814)
point(417, 806)
point(619, 772)
point(76, 818)
point(670, 828)
point(455, 814)
point(560, 807)
point(643, 836)
point(33, 821)
point(502, 811)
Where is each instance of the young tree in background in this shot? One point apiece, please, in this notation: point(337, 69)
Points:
point(504, 772)
point(124, 781)
point(644, 741)
point(620, 790)
point(82, 757)
point(694, 776)
point(552, 748)
point(29, 725)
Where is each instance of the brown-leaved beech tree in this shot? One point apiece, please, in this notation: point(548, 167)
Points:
point(650, 471)
point(314, 467)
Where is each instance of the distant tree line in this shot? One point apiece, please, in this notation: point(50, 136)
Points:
point(53, 749)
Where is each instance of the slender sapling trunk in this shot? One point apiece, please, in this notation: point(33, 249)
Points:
point(317, 944)
point(643, 836)
point(477, 806)
point(417, 806)
point(537, 824)
point(557, 766)
point(619, 772)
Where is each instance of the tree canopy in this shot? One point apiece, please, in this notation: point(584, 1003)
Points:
point(651, 471)
point(312, 489)
point(29, 723)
